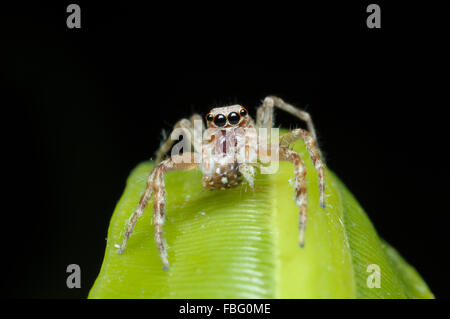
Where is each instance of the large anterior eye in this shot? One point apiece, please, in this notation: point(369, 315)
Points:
point(233, 118)
point(220, 120)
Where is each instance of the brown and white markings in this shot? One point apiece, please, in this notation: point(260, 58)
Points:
point(226, 154)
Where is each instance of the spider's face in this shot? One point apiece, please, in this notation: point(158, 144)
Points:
point(226, 117)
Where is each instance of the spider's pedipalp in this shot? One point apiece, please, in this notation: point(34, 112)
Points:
point(248, 173)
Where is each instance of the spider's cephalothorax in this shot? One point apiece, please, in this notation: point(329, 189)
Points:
point(222, 163)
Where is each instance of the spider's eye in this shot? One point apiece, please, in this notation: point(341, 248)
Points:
point(233, 118)
point(220, 120)
point(243, 112)
point(209, 117)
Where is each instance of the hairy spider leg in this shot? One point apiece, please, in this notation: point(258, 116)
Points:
point(190, 131)
point(155, 185)
point(286, 154)
point(265, 113)
point(294, 135)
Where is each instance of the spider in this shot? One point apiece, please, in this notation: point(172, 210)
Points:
point(220, 162)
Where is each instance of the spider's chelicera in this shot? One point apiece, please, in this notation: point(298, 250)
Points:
point(227, 152)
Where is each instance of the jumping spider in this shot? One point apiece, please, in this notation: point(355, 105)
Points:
point(225, 125)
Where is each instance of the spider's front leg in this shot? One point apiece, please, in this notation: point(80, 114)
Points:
point(265, 113)
point(286, 154)
point(155, 185)
point(294, 135)
point(192, 130)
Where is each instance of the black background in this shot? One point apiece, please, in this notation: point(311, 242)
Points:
point(83, 107)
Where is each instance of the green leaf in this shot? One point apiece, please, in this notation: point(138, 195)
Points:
point(242, 243)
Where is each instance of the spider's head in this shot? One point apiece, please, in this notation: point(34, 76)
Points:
point(226, 117)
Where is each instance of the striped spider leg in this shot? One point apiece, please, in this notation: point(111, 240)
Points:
point(265, 120)
point(189, 130)
point(156, 186)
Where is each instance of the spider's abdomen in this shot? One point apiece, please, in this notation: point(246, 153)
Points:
point(223, 176)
